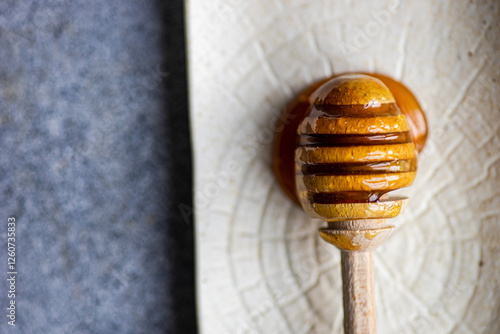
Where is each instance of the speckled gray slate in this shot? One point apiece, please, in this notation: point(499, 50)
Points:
point(95, 159)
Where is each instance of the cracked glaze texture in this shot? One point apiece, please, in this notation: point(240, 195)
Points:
point(261, 265)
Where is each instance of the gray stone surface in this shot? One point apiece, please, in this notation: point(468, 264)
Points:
point(92, 111)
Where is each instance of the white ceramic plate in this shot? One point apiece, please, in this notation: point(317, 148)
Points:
point(261, 266)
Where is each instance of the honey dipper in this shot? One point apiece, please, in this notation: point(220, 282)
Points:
point(346, 146)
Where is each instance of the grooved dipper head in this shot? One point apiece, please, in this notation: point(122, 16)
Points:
point(353, 146)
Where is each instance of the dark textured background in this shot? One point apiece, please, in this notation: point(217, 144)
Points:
point(95, 159)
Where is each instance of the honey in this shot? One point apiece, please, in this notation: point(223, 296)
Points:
point(354, 114)
point(344, 143)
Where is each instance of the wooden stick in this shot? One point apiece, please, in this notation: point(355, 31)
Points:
point(356, 241)
point(358, 283)
point(346, 128)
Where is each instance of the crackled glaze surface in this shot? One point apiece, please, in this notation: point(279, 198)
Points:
point(262, 266)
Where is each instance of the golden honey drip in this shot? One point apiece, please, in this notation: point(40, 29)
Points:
point(377, 115)
point(337, 115)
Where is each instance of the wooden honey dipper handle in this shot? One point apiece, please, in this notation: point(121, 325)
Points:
point(354, 146)
point(358, 285)
point(356, 240)
point(344, 146)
